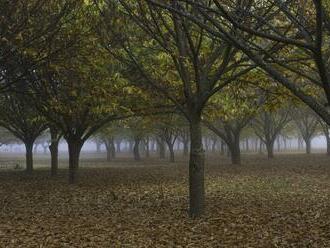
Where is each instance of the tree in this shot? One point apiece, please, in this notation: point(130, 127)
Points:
point(286, 39)
point(26, 27)
point(229, 112)
point(268, 125)
point(184, 138)
point(55, 136)
point(107, 135)
point(79, 91)
point(167, 128)
point(325, 129)
point(175, 57)
point(307, 123)
point(23, 121)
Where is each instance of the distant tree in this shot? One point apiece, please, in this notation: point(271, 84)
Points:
point(268, 125)
point(307, 123)
point(167, 128)
point(184, 138)
point(19, 117)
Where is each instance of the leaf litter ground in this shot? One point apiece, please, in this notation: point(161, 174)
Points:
point(280, 203)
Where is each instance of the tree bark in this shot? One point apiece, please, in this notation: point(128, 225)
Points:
point(247, 144)
point(171, 150)
point(136, 151)
point(74, 146)
point(112, 148)
point(235, 151)
point(308, 146)
point(328, 145)
point(214, 143)
point(270, 149)
point(222, 148)
point(118, 144)
point(98, 146)
point(53, 148)
point(147, 148)
point(196, 170)
point(130, 145)
point(185, 148)
point(29, 156)
point(108, 153)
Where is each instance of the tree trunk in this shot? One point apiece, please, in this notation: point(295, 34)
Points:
point(185, 147)
point(308, 146)
point(171, 150)
point(206, 144)
point(278, 141)
point(161, 147)
point(108, 148)
point(130, 145)
point(214, 143)
point(270, 149)
point(53, 148)
point(108, 153)
point(196, 170)
point(29, 156)
point(235, 151)
point(98, 146)
point(328, 145)
point(112, 148)
point(74, 147)
point(260, 147)
point(147, 148)
point(118, 143)
point(136, 150)
point(222, 148)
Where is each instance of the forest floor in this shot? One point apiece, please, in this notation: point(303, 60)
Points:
point(280, 203)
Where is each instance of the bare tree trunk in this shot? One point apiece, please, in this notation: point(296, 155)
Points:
point(247, 144)
point(185, 147)
point(108, 152)
point(147, 148)
point(74, 146)
point(29, 156)
point(278, 141)
point(196, 169)
point(222, 148)
point(270, 149)
point(130, 145)
point(136, 150)
point(171, 150)
point(235, 151)
point(113, 149)
point(118, 144)
point(214, 144)
point(328, 145)
point(260, 147)
point(308, 145)
point(53, 148)
point(98, 146)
